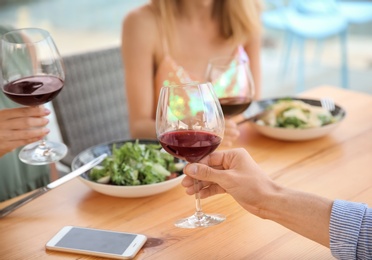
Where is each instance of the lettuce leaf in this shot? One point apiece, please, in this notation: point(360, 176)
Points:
point(135, 164)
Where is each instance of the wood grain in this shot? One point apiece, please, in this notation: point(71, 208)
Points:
point(337, 166)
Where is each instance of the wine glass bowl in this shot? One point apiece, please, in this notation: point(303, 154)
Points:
point(190, 125)
point(233, 84)
point(33, 74)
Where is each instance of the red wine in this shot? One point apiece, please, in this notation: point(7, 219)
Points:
point(234, 105)
point(189, 145)
point(34, 90)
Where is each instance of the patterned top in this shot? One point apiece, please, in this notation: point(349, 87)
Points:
point(171, 73)
point(351, 230)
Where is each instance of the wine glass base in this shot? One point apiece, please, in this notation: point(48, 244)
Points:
point(42, 153)
point(205, 220)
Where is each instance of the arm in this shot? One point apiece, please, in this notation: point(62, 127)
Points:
point(20, 126)
point(138, 34)
point(253, 49)
point(236, 173)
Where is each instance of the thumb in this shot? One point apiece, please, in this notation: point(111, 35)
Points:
point(202, 172)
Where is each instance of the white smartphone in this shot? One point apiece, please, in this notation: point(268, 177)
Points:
point(97, 242)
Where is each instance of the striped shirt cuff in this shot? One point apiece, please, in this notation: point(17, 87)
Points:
point(345, 227)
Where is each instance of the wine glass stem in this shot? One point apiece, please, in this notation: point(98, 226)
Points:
point(199, 213)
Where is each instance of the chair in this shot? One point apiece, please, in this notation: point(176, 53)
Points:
point(302, 20)
point(91, 108)
point(356, 12)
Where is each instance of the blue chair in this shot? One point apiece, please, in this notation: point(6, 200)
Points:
point(356, 12)
point(302, 20)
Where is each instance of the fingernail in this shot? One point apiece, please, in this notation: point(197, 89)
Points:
point(192, 168)
point(46, 111)
point(45, 130)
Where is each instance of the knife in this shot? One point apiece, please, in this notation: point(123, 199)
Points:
point(252, 118)
point(5, 211)
point(256, 110)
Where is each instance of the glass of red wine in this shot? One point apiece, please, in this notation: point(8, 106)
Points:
point(233, 83)
point(189, 126)
point(33, 75)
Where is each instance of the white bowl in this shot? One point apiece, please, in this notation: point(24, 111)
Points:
point(288, 134)
point(116, 190)
point(133, 191)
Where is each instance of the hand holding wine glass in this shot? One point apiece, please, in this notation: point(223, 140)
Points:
point(20, 126)
point(234, 87)
point(33, 75)
point(190, 125)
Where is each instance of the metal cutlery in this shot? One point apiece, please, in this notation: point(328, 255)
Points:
point(5, 211)
point(328, 103)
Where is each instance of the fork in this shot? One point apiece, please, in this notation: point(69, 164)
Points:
point(327, 103)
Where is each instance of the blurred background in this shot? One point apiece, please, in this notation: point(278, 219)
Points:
point(85, 25)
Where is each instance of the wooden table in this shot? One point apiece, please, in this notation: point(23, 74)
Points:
point(337, 166)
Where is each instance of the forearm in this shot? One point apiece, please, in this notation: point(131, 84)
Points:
point(303, 213)
point(54, 174)
point(253, 50)
point(143, 129)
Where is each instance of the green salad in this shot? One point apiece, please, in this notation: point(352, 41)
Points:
point(136, 164)
point(290, 113)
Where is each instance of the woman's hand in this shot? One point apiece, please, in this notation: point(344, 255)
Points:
point(231, 133)
point(21, 126)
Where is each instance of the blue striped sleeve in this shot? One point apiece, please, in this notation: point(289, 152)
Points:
point(350, 230)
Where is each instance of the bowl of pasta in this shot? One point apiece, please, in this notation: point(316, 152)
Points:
point(294, 119)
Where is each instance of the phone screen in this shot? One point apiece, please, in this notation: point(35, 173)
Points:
point(96, 240)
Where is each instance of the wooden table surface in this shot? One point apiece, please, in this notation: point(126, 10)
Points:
point(338, 165)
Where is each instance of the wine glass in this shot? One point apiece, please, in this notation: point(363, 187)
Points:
point(190, 125)
point(233, 84)
point(33, 75)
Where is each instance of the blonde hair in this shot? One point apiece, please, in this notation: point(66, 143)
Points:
point(239, 20)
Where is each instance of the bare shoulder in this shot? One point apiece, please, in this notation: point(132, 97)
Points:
point(140, 21)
